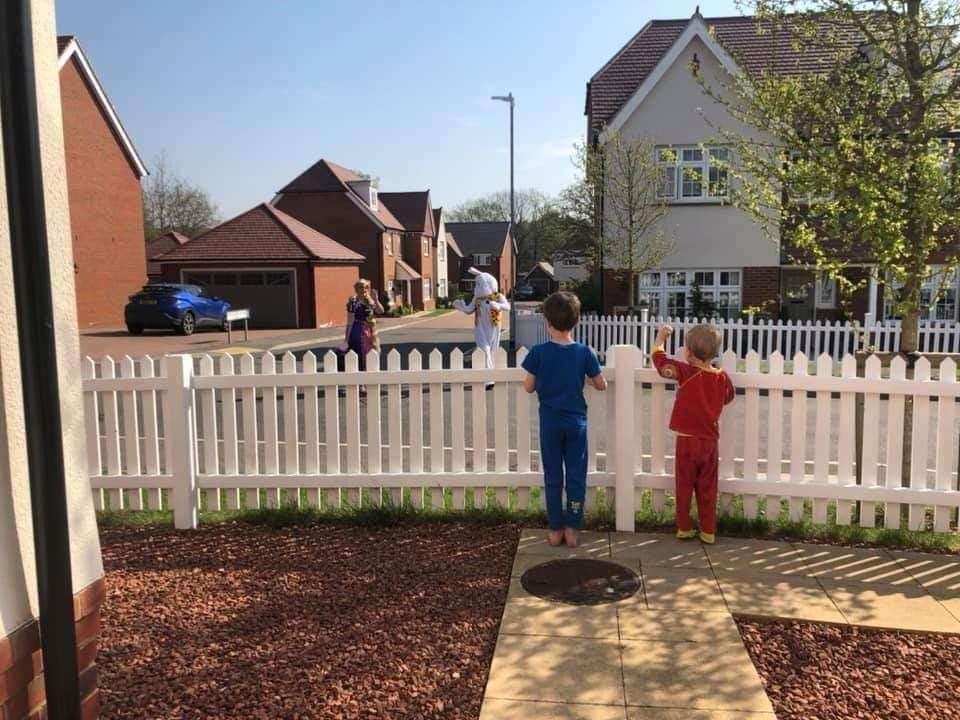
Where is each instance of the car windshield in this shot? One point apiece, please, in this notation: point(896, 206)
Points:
point(171, 289)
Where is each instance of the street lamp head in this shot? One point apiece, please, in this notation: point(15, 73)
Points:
point(504, 98)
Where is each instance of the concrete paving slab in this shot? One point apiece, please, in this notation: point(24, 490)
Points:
point(657, 674)
point(526, 710)
point(768, 556)
point(684, 589)
point(592, 544)
point(552, 669)
point(638, 623)
point(658, 549)
point(634, 713)
point(844, 564)
point(939, 574)
point(891, 607)
point(529, 615)
point(783, 596)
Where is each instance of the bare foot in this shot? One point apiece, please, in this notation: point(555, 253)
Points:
point(570, 536)
point(555, 538)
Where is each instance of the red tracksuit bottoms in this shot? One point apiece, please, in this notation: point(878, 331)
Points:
point(696, 471)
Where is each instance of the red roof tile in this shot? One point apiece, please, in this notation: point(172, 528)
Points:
point(263, 234)
point(751, 44)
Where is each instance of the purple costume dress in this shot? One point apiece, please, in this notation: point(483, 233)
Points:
point(363, 334)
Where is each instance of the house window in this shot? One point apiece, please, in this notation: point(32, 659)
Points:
point(938, 296)
point(396, 244)
point(826, 292)
point(667, 292)
point(426, 246)
point(693, 173)
point(481, 258)
point(388, 244)
point(427, 289)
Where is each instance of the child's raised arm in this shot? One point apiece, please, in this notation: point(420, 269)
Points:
point(599, 382)
point(660, 341)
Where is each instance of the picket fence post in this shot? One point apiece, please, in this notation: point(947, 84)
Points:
point(625, 362)
point(179, 421)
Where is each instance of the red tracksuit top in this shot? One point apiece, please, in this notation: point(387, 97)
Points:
point(701, 396)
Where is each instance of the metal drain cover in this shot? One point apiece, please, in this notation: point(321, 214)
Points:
point(580, 581)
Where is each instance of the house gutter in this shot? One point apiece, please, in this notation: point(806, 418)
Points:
point(38, 359)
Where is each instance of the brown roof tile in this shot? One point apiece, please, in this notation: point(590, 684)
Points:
point(165, 243)
point(752, 44)
point(263, 233)
point(410, 208)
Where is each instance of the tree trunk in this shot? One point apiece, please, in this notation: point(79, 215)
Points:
point(632, 295)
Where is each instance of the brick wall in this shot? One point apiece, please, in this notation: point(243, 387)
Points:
point(616, 290)
point(761, 289)
point(22, 692)
point(106, 211)
point(332, 287)
point(423, 264)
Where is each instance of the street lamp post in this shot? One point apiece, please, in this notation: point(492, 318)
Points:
point(508, 98)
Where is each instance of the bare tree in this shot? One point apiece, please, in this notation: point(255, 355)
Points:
point(171, 203)
point(618, 195)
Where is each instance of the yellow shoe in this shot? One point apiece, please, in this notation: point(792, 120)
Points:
point(686, 534)
point(708, 538)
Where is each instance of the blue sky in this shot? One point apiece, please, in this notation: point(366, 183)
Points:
point(243, 95)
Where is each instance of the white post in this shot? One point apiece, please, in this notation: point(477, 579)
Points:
point(644, 335)
point(868, 320)
point(624, 365)
point(178, 420)
point(872, 298)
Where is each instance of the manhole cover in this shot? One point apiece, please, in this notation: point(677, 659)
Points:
point(580, 581)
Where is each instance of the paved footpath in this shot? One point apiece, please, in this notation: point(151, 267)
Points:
point(673, 650)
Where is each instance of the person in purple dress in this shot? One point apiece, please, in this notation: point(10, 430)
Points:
point(361, 333)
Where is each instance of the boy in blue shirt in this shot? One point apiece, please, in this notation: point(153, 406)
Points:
point(557, 370)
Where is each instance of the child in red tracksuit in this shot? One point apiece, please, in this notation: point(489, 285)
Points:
point(702, 393)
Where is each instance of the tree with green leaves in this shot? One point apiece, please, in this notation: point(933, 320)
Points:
point(617, 199)
point(171, 203)
point(856, 157)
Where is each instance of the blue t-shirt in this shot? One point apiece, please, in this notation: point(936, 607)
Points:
point(560, 371)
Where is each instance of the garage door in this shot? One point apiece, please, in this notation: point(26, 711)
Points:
point(270, 294)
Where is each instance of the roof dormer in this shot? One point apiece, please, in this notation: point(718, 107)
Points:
point(366, 190)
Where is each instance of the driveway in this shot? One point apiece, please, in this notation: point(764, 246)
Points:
point(404, 333)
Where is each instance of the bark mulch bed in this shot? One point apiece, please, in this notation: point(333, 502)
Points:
point(823, 672)
point(329, 621)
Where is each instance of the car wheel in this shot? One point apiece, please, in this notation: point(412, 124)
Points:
point(188, 324)
point(134, 329)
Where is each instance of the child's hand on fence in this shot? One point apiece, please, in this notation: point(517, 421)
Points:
point(663, 332)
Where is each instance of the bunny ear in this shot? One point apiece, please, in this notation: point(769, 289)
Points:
point(474, 271)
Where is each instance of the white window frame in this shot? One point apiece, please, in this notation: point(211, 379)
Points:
point(388, 243)
point(425, 242)
point(478, 259)
point(680, 162)
point(657, 286)
point(427, 289)
point(825, 292)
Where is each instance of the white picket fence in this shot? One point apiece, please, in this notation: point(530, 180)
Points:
point(760, 335)
point(241, 431)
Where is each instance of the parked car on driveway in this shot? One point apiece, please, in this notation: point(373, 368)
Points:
point(183, 308)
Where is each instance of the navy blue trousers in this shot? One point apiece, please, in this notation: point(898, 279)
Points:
point(563, 458)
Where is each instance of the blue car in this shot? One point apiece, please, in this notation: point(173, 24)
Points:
point(183, 308)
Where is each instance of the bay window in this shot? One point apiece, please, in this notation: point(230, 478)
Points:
point(668, 292)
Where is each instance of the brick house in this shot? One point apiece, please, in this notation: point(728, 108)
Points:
point(647, 89)
point(415, 213)
point(287, 273)
point(345, 205)
point(160, 245)
point(487, 246)
point(103, 188)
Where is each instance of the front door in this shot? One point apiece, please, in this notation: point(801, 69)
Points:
point(798, 295)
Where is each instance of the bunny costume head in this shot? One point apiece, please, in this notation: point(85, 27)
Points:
point(484, 284)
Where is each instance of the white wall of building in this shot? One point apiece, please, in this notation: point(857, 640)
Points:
point(707, 234)
point(18, 601)
point(440, 270)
